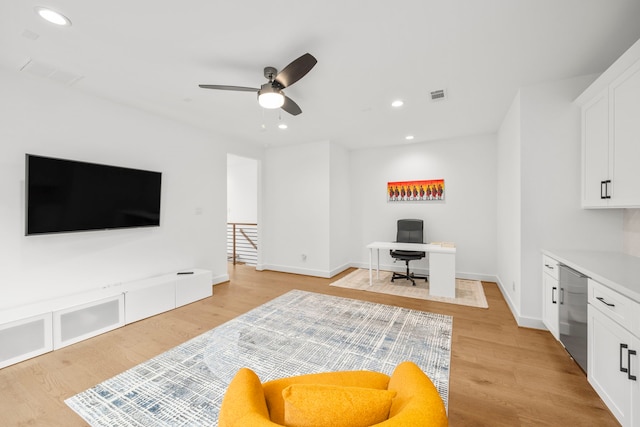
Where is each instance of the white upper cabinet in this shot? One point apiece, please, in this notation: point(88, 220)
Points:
point(595, 151)
point(611, 135)
point(624, 99)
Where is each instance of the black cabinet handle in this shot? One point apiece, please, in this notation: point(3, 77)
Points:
point(622, 369)
point(553, 295)
point(549, 266)
point(629, 354)
point(608, 304)
point(604, 189)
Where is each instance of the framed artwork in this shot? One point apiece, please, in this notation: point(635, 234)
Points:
point(415, 191)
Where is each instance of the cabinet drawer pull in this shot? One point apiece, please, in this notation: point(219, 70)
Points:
point(629, 354)
point(622, 347)
point(603, 189)
point(549, 266)
point(553, 295)
point(608, 304)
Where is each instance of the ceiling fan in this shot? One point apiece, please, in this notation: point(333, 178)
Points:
point(270, 94)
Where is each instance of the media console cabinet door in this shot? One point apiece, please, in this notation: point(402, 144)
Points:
point(148, 301)
point(83, 321)
point(25, 338)
point(193, 287)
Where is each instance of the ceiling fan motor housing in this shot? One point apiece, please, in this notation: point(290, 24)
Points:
point(270, 73)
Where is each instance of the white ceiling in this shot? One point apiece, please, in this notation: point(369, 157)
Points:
point(152, 54)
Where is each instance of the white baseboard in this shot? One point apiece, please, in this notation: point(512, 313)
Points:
point(340, 269)
point(220, 279)
point(295, 270)
point(523, 321)
point(304, 271)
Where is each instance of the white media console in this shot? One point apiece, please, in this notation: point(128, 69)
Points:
point(38, 328)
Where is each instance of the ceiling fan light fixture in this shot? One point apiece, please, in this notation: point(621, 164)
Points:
point(271, 100)
point(52, 16)
point(270, 97)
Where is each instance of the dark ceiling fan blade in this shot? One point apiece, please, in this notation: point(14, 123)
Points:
point(291, 107)
point(296, 70)
point(235, 88)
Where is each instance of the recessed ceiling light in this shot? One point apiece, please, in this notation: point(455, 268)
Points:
point(282, 126)
point(52, 16)
point(408, 137)
point(397, 103)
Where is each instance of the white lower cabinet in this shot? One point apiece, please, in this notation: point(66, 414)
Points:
point(550, 307)
point(613, 351)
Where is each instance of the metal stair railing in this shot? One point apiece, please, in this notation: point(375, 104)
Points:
point(242, 246)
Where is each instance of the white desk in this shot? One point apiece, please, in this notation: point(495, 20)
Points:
point(442, 264)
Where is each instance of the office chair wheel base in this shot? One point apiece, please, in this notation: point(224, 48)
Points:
point(409, 277)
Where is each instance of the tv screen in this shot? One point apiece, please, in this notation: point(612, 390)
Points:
point(67, 195)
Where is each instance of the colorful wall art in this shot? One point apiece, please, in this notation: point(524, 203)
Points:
point(414, 191)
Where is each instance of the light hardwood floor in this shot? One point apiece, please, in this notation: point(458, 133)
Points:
point(501, 375)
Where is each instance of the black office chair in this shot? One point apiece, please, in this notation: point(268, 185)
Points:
point(409, 231)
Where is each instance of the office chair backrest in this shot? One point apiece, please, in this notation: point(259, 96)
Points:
point(410, 231)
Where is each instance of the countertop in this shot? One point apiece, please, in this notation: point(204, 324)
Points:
point(615, 270)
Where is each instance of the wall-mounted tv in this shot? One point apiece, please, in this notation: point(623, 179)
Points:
point(67, 195)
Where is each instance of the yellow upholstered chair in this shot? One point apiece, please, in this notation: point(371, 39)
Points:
point(335, 399)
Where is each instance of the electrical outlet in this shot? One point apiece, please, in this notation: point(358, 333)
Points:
point(513, 285)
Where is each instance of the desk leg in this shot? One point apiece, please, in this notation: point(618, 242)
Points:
point(442, 274)
point(378, 265)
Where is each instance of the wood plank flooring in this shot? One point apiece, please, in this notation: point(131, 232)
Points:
point(501, 375)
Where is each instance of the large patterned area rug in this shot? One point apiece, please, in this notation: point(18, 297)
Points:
point(468, 292)
point(297, 333)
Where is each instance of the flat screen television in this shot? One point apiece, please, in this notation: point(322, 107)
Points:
point(67, 196)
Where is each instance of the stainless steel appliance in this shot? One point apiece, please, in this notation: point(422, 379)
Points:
point(573, 313)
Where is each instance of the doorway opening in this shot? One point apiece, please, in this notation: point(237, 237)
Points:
point(242, 210)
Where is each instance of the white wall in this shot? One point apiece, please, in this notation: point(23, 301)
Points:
point(466, 217)
point(296, 212)
point(631, 228)
point(40, 117)
point(508, 216)
point(242, 189)
point(550, 216)
point(340, 209)
point(551, 212)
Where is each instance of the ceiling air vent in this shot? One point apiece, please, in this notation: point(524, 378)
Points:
point(50, 72)
point(438, 95)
